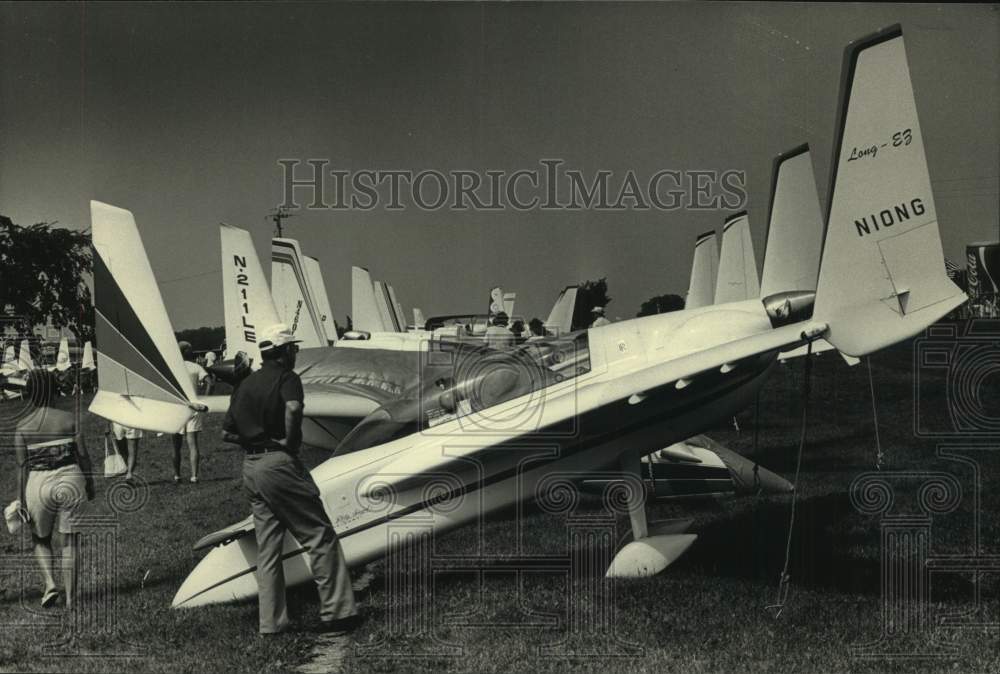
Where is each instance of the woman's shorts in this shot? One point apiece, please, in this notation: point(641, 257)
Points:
point(121, 432)
point(194, 424)
point(55, 495)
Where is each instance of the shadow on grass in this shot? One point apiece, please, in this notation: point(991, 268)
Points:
point(832, 547)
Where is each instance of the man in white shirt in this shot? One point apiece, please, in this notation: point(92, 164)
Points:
point(199, 377)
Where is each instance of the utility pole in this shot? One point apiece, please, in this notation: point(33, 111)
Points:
point(277, 215)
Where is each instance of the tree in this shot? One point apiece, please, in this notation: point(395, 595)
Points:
point(661, 304)
point(42, 273)
point(589, 295)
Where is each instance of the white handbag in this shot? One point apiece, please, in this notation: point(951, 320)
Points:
point(15, 515)
point(114, 463)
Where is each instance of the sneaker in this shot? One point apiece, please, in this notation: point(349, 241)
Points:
point(177, 479)
point(194, 480)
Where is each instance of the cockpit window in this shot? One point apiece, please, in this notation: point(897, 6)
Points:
point(460, 378)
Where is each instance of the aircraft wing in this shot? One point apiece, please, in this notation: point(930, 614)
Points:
point(318, 403)
point(634, 385)
point(678, 372)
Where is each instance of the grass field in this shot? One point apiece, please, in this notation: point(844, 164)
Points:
point(515, 611)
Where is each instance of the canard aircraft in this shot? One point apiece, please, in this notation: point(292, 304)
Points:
point(462, 431)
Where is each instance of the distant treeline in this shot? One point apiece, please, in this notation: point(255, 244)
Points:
point(203, 339)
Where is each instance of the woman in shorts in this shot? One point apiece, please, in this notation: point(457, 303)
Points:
point(127, 442)
point(54, 479)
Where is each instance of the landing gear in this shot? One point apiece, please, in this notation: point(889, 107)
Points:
point(652, 549)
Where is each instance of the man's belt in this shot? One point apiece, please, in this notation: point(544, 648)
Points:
point(269, 448)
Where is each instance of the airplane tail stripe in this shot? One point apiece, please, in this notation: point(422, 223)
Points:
point(127, 355)
point(112, 304)
point(134, 384)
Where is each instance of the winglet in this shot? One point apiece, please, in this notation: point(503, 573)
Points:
point(737, 279)
point(704, 272)
point(143, 382)
point(795, 226)
point(882, 277)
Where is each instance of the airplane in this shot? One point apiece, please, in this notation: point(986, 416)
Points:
point(477, 430)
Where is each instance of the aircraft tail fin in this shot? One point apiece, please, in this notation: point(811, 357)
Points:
point(88, 357)
point(143, 383)
point(24, 359)
point(365, 314)
point(396, 308)
point(247, 302)
point(704, 270)
point(293, 294)
point(737, 280)
point(419, 322)
point(560, 320)
point(315, 275)
point(882, 278)
point(62, 357)
point(384, 304)
point(795, 226)
point(508, 304)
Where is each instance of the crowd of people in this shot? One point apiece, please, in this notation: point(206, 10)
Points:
point(55, 481)
point(55, 476)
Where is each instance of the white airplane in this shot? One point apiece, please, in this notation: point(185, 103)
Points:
point(479, 430)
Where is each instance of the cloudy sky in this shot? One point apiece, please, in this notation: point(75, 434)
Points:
point(180, 113)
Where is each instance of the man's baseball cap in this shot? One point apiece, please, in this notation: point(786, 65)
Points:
point(276, 336)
